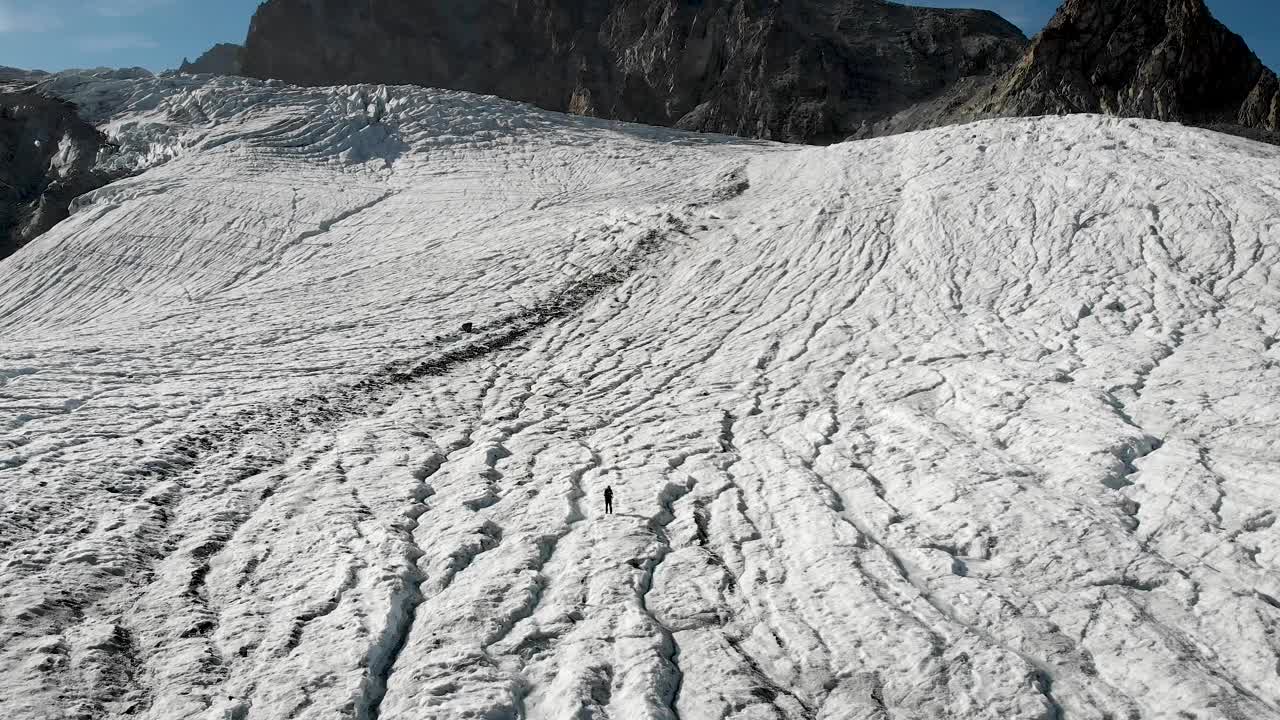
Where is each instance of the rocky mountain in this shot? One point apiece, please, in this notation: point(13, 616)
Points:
point(221, 59)
point(13, 80)
point(8, 74)
point(802, 71)
point(47, 156)
point(1161, 59)
point(805, 71)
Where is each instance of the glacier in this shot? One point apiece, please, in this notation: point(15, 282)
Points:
point(978, 422)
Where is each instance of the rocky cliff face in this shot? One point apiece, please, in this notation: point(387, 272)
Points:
point(221, 59)
point(9, 74)
point(803, 70)
point(1160, 59)
point(47, 153)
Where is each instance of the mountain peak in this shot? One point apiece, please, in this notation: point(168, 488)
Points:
point(1162, 59)
point(221, 59)
point(801, 71)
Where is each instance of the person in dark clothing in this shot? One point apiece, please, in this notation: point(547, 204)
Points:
point(608, 500)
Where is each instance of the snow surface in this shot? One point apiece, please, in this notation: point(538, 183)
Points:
point(979, 422)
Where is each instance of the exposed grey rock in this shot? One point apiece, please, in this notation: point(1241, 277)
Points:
point(47, 156)
point(18, 74)
point(1160, 59)
point(801, 70)
point(17, 79)
point(804, 71)
point(221, 59)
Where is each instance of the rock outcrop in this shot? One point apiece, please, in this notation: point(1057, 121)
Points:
point(10, 74)
point(801, 71)
point(14, 80)
point(221, 59)
point(47, 157)
point(1160, 59)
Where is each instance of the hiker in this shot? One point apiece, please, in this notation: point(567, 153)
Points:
point(608, 500)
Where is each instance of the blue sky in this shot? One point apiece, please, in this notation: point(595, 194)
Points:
point(157, 34)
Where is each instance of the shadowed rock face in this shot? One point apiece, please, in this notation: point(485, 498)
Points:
point(801, 71)
point(221, 59)
point(9, 74)
point(1160, 59)
point(46, 160)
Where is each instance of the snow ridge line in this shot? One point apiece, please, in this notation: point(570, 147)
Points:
point(730, 449)
point(382, 657)
point(658, 524)
point(1043, 678)
point(772, 687)
point(301, 621)
point(386, 650)
point(547, 545)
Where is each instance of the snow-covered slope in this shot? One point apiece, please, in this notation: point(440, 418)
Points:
point(973, 423)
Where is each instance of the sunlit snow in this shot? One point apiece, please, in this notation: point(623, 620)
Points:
point(981, 422)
